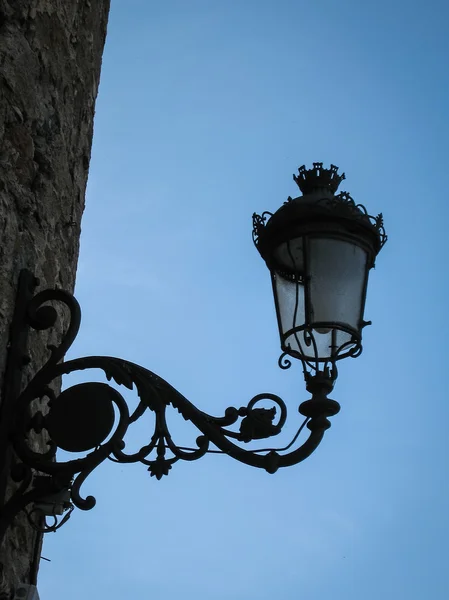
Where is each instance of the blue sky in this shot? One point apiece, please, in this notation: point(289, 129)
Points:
point(205, 110)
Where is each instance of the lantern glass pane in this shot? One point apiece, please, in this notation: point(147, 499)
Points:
point(290, 305)
point(338, 270)
point(290, 256)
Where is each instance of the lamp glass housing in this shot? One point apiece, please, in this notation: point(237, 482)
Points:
point(319, 248)
point(319, 285)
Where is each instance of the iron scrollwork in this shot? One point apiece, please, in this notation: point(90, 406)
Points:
point(93, 418)
point(345, 203)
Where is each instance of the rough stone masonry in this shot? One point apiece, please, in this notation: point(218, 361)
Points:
point(50, 60)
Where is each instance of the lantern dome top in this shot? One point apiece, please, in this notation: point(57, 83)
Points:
point(319, 210)
point(318, 178)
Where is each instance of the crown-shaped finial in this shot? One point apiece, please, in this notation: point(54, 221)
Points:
point(317, 177)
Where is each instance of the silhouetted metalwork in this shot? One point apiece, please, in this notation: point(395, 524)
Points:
point(319, 249)
point(83, 416)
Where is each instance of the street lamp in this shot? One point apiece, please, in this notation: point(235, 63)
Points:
point(319, 249)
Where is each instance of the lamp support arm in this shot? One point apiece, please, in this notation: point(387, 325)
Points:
point(94, 418)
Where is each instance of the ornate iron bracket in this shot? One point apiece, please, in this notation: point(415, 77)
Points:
point(93, 418)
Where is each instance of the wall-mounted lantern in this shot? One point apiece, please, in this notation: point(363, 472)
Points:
point(319, 249)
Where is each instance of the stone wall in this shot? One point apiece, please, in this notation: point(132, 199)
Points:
point(50, 59)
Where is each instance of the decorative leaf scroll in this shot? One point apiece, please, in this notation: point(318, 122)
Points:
point(258, 424)
point(344, 202)
point(120, 374)
point(259, 222)
point(160, 467)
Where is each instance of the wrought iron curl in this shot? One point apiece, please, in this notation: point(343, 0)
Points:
point(43, 316)
point(354, 348)
point(46, 528)
point(259, 223)
point(284, 362)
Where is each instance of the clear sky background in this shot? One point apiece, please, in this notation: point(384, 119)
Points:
point(206, 108)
